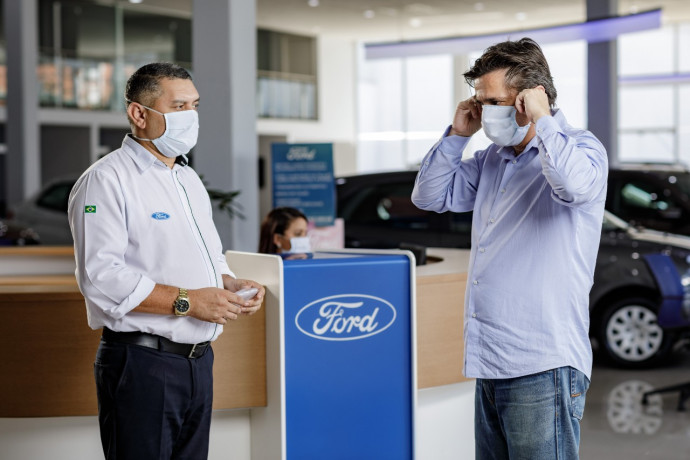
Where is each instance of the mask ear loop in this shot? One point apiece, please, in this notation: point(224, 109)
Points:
point(153, 110)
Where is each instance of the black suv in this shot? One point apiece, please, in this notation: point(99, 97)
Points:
point(626, 296)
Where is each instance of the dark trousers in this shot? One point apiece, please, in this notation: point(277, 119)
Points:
point(152, 404)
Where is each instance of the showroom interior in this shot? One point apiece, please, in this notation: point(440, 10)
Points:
point(379, 80)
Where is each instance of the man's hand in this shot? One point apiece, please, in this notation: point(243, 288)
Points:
point(214, 305)
point(534, 103)
point(467, 119)
point(251, 306)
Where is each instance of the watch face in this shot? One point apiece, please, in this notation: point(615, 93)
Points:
point(182, 305)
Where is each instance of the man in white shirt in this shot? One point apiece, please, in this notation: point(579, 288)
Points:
point(151, 268)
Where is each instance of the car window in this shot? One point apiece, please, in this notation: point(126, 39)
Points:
point(641, 199)
point(385, 205)
point(55, 197)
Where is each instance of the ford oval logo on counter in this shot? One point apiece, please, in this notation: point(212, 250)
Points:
point(160, 215)
point(345, 317)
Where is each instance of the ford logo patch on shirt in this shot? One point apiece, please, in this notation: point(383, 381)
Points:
point(345, 317)
point(160, 215)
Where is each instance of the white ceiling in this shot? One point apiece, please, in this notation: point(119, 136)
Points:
point(395, 20)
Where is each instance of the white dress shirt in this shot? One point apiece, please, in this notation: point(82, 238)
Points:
point(136, 223)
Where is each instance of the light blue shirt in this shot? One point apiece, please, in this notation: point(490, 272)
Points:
point(535, 235)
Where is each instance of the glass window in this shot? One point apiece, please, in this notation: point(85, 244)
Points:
point(568, 65)
point(84, 62)
point(646, 146)
point(56, 197)
point(649, 52)
point(76, 58)
point(151, 38)
point(684, 122)
point(286, 80)
point(633, 113)
point(684, 47)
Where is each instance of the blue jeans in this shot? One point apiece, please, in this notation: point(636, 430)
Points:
point(535, 417)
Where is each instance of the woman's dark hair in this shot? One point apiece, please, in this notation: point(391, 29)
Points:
point(525, 63)
point(276, 222)
point(143, 86)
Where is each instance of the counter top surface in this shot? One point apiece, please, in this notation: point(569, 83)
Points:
point(451, 261)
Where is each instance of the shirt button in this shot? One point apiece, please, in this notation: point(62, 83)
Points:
point(491, 221)
point(475, 282)
point(514, 161)
point(474, 315)
point(482, 249)
point(503, 190)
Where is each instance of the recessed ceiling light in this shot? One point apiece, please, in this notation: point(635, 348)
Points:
point(415, 22)
point(521, 16)
point(369, 14)
point(135, 1)
point(313, 3)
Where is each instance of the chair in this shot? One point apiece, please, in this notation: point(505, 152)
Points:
point(673, 313)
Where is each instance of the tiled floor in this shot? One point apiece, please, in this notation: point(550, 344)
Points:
point(617, 425)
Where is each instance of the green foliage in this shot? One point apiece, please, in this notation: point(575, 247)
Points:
point(226, 201)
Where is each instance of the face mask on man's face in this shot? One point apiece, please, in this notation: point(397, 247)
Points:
point(500, 126)
point(180, 135)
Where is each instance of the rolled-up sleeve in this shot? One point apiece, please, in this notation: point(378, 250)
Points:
point(97, 217)
point(445, 181)
point(574, 163)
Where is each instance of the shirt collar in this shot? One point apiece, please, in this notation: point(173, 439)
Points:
point(145, 159)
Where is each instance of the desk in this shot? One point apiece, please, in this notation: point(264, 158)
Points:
point(49, 349)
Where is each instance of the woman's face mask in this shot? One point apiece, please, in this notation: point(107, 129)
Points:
point(500, 126)
point(180, 135)
point(299, 245)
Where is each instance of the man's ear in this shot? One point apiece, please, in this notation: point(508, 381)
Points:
point(137, 114)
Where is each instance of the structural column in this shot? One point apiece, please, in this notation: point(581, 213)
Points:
point(23, 130)
point(224, 61)
point(602, 81)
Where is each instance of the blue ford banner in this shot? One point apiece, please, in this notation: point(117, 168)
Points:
point(349, 379)
point(303, 179)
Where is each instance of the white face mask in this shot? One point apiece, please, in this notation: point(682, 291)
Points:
point(299, 245)
point(181, 132)
point(500, 126)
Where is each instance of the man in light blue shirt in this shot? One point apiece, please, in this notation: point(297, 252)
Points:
point(538, 195)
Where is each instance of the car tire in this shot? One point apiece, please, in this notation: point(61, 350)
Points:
point(629, 335)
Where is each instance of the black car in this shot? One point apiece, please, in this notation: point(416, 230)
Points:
point(624, 300)
point(653, 196)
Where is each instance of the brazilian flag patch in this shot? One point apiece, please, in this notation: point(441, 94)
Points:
point(90, 209)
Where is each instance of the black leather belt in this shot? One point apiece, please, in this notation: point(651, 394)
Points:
point(157, 342)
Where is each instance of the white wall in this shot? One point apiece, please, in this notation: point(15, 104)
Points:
point(336, 106)
point(445, 430)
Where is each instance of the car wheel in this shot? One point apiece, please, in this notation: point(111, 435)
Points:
point(630, 336)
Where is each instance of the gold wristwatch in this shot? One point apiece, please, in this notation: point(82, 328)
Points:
point(181, 305)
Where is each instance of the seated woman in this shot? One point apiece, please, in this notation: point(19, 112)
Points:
point(284, 232)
